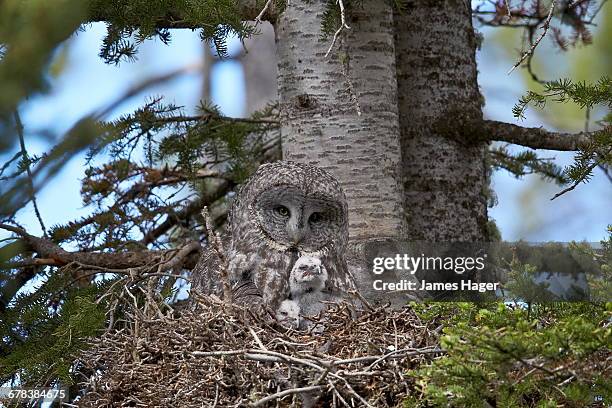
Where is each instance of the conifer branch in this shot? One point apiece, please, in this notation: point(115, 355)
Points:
point(585, 173)
point(187, 211)
point(46, 249)
point(535, 138)
point(247, 10)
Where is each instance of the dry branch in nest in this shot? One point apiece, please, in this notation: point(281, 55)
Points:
point(217, 355)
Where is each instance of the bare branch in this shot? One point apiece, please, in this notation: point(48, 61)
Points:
point(343, 25)
point(279, 395)
point(187, 211)
point(217, 246)
point(104, 261)
point(7, 164)
point(26, 160)
point(535, 44)
point(535, 138)
point(262, 12)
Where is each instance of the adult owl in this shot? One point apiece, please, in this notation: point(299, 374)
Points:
point(284, 211)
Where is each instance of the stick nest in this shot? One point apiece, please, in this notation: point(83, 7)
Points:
point(212, 354)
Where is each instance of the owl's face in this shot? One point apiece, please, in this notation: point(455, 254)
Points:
point(288, 314)
point(307, 275)
point(293, 219)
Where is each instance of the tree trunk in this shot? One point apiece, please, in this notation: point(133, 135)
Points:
point(445, 181)
point(417, 184)
point(320, 99)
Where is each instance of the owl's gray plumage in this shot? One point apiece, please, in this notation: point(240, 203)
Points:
point(284, 211)
point(288, 314)
point(307, 284)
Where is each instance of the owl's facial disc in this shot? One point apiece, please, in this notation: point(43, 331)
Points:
point(297, 220)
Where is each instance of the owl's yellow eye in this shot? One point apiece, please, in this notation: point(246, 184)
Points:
point(282, 211)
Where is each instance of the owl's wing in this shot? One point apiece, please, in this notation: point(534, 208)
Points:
point(246, 294)
point(205, 275)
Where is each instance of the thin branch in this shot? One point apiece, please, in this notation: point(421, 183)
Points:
point(217, 246)
point(187, 69)
point(262, 12)
point(26, 161)
point(187, 211)
point(509, 13)
point(535, 44)
point(586, 173)
point(282, 394)
point(7, 164)
point(343, 25)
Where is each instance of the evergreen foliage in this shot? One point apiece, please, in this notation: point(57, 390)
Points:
point(165, 165)
point(132, 22)
point(42, 332)
point(524, 163)
point(564, 90)
point(503, 356)
point(596, 153)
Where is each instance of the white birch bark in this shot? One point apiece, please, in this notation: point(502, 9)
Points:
point(320, 123)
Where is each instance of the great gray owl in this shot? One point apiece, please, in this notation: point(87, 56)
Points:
point(284, 211)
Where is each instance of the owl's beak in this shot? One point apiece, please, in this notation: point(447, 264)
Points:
point(296, 234)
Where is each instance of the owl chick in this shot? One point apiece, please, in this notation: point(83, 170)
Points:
point(306, 284)
point(288, 314)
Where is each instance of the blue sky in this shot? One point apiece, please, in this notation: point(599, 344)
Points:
point(86, 83)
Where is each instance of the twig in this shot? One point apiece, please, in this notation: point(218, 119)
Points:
point(337, 393)
point(343, 25)
point(362, 299)
point(26, 161)
point(263, 11)
point(577, 182)
point(215, 243)
point(535, 44)
point(257, 339)
point(282, 394)
point(359, 397)
point(7, 164)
